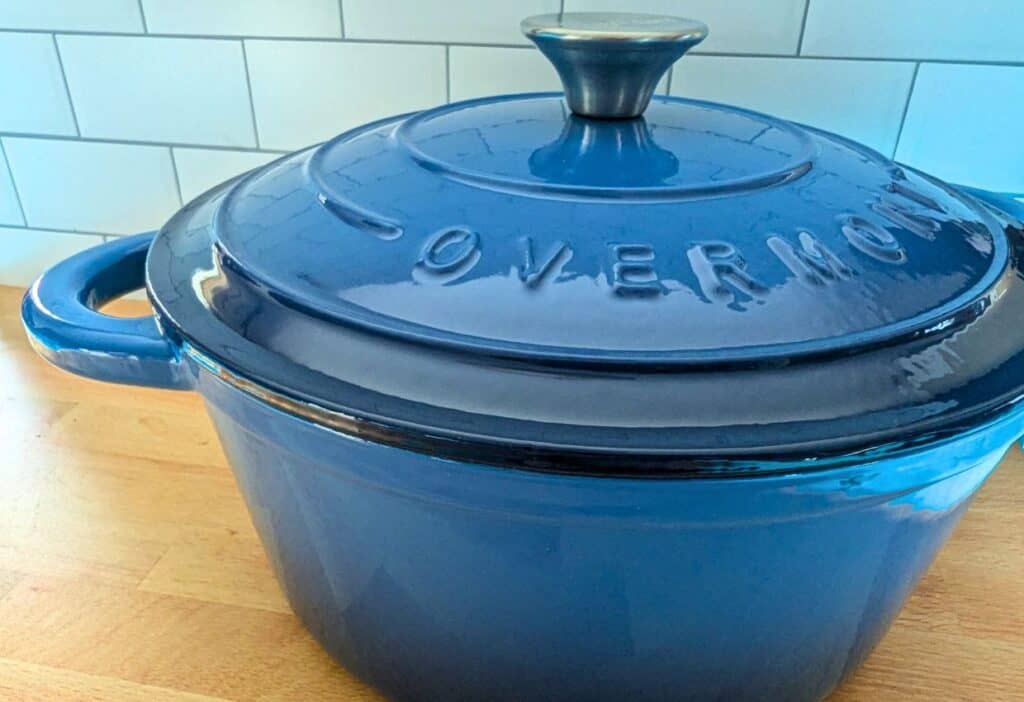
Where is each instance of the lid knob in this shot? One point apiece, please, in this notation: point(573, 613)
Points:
point(611, 62)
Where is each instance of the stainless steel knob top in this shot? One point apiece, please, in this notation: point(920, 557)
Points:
point(611, 62)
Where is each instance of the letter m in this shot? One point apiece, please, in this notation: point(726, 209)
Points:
point(810, 261)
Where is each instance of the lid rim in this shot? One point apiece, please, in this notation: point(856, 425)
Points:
point(544, 456)
point(813, 456)
point(580, 373)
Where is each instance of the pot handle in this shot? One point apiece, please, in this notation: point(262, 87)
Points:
point(1007, 202)
point(59, 313)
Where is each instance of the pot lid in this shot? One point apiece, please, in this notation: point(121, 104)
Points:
point(601, 280)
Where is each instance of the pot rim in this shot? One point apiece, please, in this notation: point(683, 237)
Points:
point(611, 464)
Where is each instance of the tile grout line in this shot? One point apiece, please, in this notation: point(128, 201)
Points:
point(803, 27)
point(412, 42)
point(142, 16)
point(58, 230)
point(136, 142)
point(447, 74)
point(906, 109)
point(561, 9)
point(14, 184)
point(177, 178)
point(67, 86)
point(341, 16)
point(252, 102)
point(668, 80)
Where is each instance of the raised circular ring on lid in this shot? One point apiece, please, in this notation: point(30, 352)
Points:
point(528, 146)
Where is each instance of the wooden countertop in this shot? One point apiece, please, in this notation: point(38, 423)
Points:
point(129, 569)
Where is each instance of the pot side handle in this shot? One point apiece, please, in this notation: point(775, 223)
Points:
point(60, 317)
point(1002, 201)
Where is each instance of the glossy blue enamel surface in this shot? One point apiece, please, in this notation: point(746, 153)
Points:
point(60, 316)
point(529, 406)
point(493, 224)
point(701, 283)
point(441, 581)
point(436, 579)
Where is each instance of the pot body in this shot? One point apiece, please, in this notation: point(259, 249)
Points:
point(439, 580)
point(436, 579)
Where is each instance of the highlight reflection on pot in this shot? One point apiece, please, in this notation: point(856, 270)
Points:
point(605, 154)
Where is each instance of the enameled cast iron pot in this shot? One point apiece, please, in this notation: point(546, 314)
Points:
point(533, 397)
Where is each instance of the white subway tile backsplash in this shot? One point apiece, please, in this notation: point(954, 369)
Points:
point(26, 253)
point(861, 100)
point(738, 26)
point(964, 125)
point(201, 169)
point(271, 18)
point(239, 79)
point(10, 210)
point(477, 71)
point(985, 30)
point(32, 94)
point(470, 21)
point(71, 15)
point(96, 187)
point(176, 90)
point(308, 91)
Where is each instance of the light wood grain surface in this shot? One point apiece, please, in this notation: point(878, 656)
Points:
point(129, 569)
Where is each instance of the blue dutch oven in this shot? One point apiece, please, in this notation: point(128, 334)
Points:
point(582, 397)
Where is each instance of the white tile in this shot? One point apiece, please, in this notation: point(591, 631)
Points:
point(474, 21)
point(201, 169)
point(985, 30)
point(824, 93)
point(737, 26)
point(10, 211)
point(177, 90)
point(32, 94)
point(87, 186)
point(26, 253)
point(271, 18)
point(75, 15)
point(964, 125)
point(308, 91)
point(478, 71)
